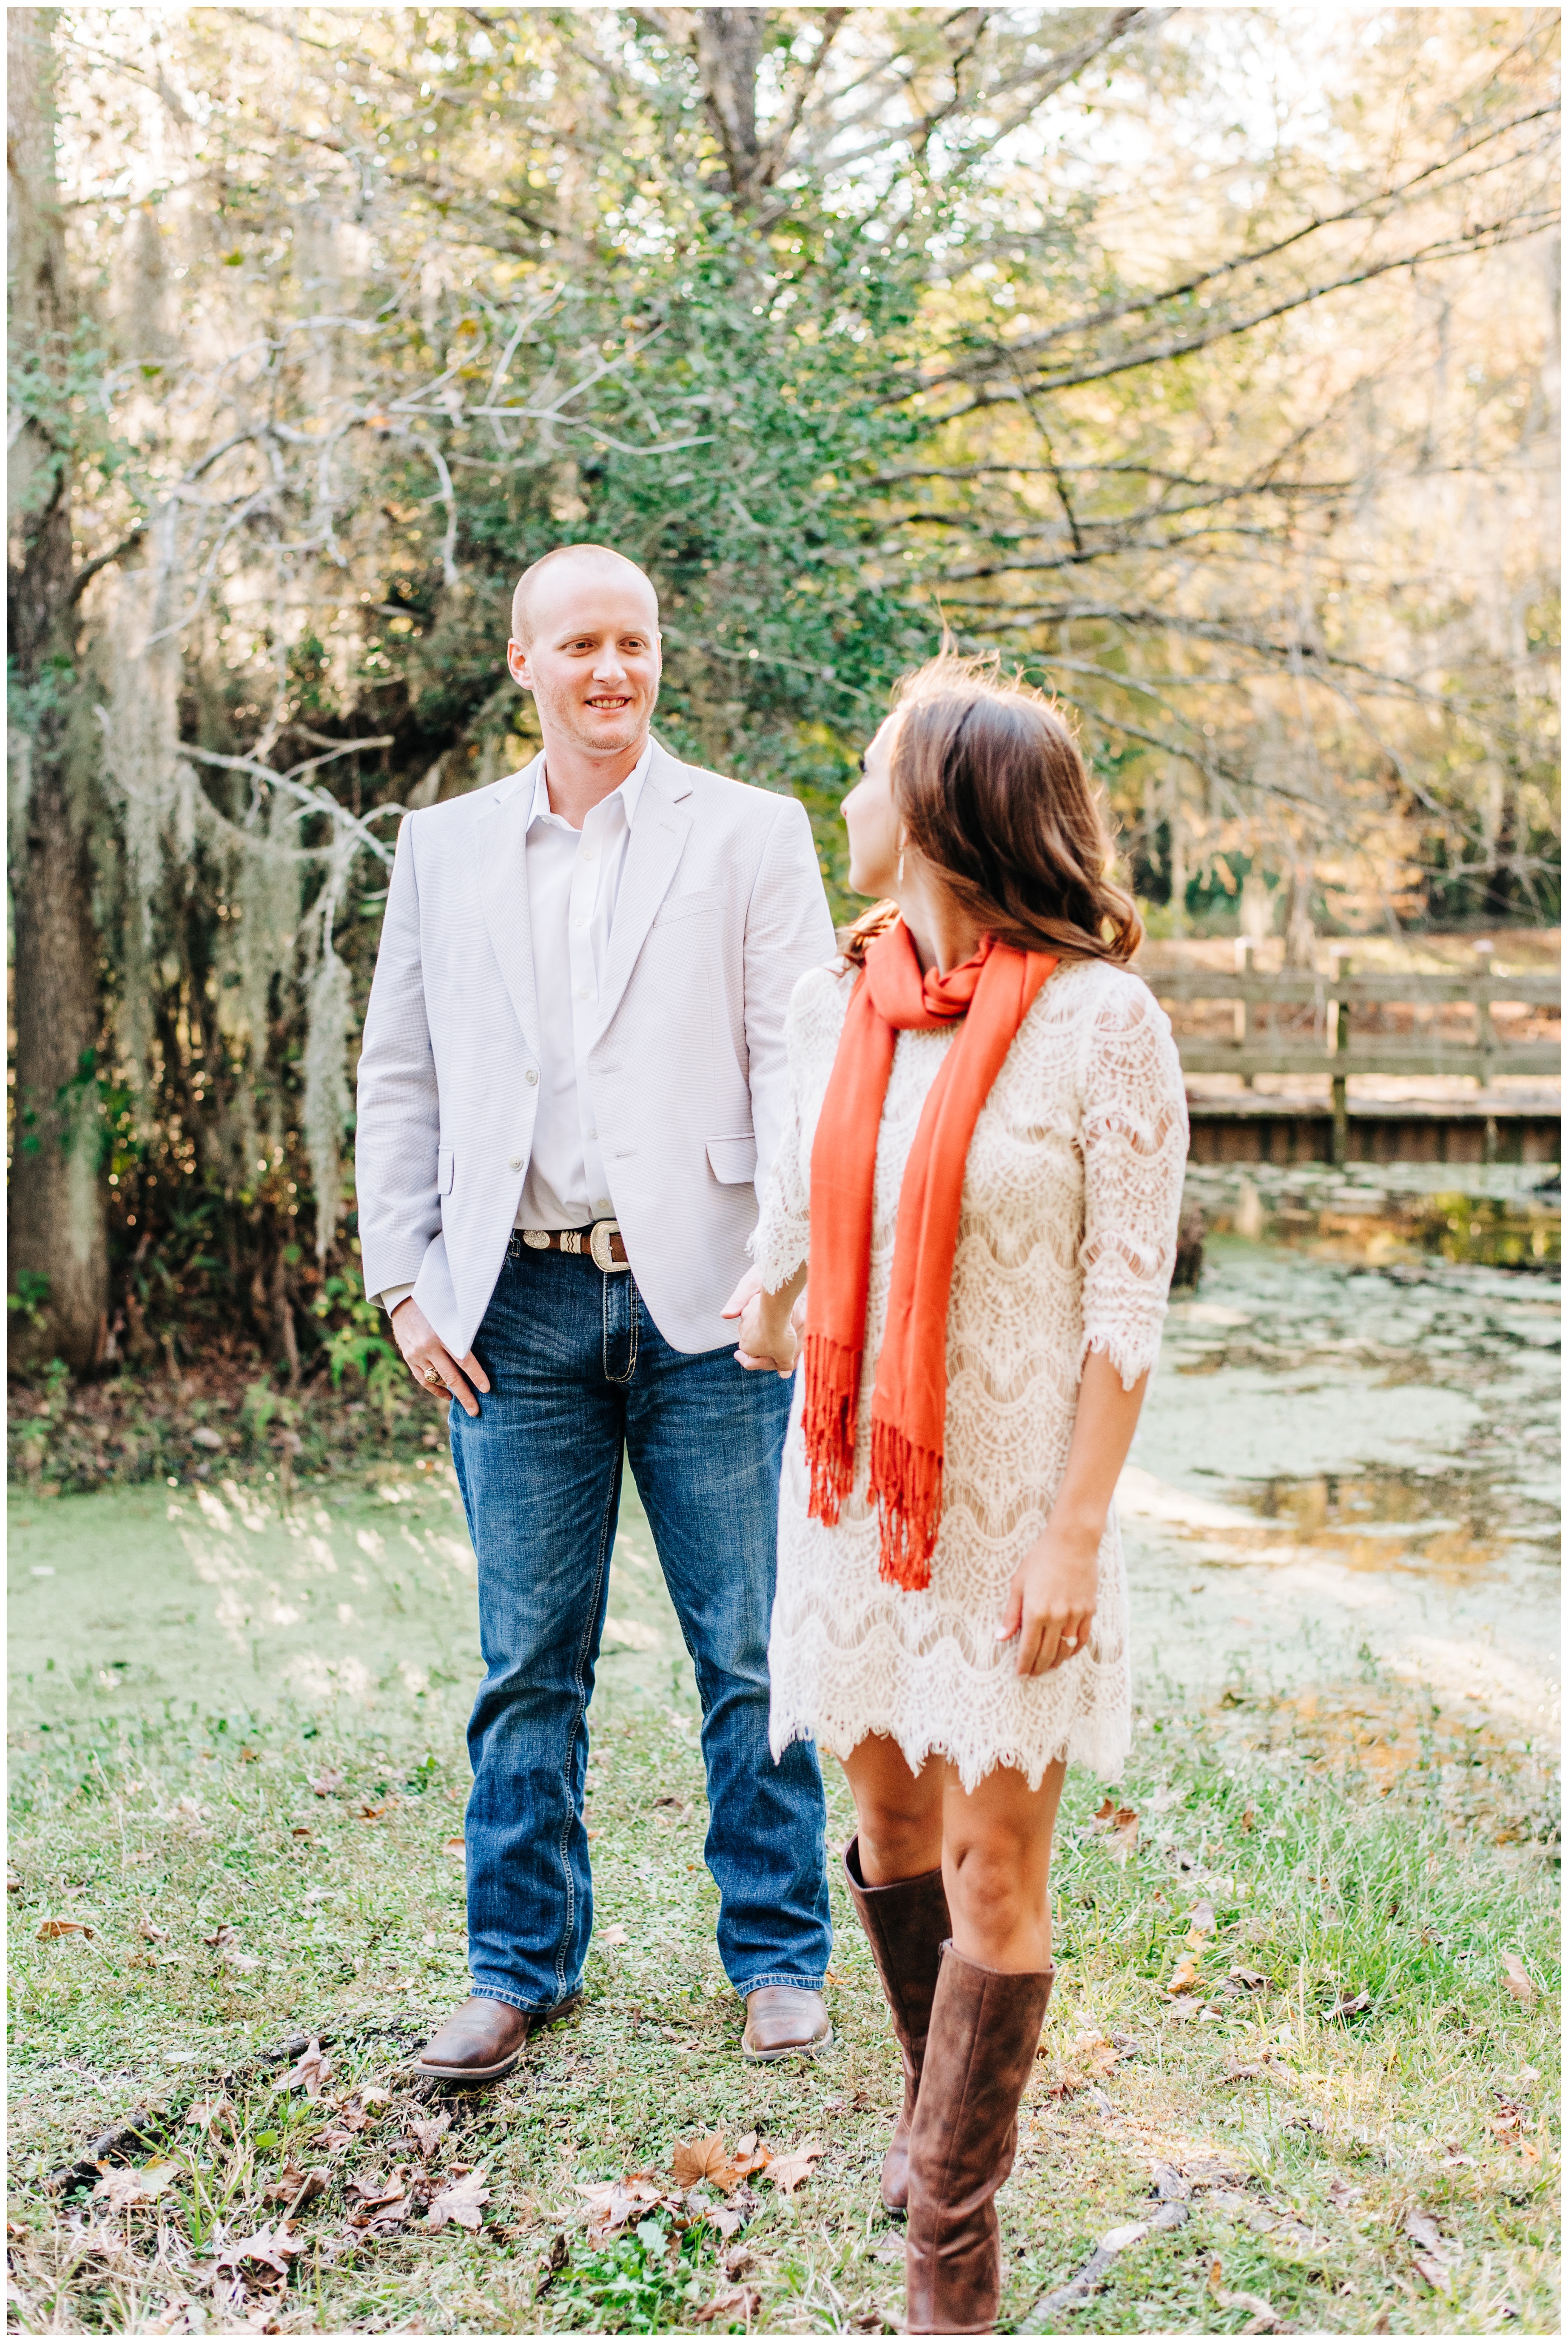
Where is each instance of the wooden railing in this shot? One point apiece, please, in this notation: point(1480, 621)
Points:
point(1336, 1048)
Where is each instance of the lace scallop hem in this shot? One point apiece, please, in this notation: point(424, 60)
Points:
point(1102, 1749)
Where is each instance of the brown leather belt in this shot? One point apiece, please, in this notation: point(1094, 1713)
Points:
point(601, 1244)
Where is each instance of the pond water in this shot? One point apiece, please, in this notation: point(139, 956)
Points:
point(1341, 1463)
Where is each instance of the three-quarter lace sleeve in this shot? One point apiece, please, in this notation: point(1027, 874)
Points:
point(1134, 1139)
point(782, 1238)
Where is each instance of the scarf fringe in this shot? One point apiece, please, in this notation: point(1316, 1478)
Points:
point(906, 1489)
point(832, 1399)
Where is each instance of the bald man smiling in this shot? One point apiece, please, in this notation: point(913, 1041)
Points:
point(572, 1086)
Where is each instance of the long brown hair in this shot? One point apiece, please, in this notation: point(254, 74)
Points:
point(992, 789)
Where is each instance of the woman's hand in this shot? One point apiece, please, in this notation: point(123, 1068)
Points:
point(769, 1341)
point(1051, 1602)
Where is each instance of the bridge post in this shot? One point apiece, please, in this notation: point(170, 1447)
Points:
point(1340, 1148)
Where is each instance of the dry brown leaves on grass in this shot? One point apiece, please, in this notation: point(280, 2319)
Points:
point(1089, 2059)
point(740, 2301)
point(270, 2248)
point(1516, 1980)
point(1119, 1826)
point(118, 2189)
point(52, 1929)
point(1435, 2255)
point(463, 2200)
point(428, 2135)
point(789, 2172)
point(311, 2074)
point(696, 2159)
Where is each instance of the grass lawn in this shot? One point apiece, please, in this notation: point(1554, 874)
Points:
point(238, 1775)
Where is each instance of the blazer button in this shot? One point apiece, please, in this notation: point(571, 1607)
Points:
point(514, 1163)
point(532, 1075)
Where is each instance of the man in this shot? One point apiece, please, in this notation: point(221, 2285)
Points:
point(573, 1077)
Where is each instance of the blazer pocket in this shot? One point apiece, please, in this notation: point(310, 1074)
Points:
point(444, 1159)
point(733, 1159)
point(686, 906)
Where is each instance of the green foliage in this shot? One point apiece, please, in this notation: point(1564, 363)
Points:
point(647, 2282)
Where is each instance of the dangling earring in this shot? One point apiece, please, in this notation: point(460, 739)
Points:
point(898, 874)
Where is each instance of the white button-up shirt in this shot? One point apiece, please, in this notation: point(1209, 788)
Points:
point(574, 878)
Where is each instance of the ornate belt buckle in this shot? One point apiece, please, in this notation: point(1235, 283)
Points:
point(536, 1239)
point(599, 1237)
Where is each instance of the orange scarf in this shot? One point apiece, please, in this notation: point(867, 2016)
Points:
point(993, 992)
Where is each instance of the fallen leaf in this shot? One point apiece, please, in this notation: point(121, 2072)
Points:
point(221, 1936)
point(1516, 1979)
point(292, 2186)
point(612, 2204)
point(151, 1934)
point(370, 2190)
point(463, 2201)
point(204, 2112)
point(268, 2247)
point(299, 1830)
point(456, 1846)
point(1249, 1819)
point(328, 1785)
point(1341, 2194)
point(556, 2260)
point(740, 2301)
point(1092, 2053)
point(53, 1927)
point(1343, 2010)
point(250, 1755)
point(310, 2075)
point(373, 2094)
point(119, 2188)
point(613, 1935)
point(1434, 2253)
point(1250, 1979)
point(375, 1812)
point(1185, 1978)
point(1201, 1923)
point(789, 2172)
point(696, 2159)
point(429, 2135)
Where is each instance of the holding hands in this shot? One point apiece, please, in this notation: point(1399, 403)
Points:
point(770, 1323)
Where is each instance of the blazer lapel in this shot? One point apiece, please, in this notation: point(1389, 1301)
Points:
point(501, 846)
point(657, 841)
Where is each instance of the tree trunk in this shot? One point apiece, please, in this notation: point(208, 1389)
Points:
point(59, 1267)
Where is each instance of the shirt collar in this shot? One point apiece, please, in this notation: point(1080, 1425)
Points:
point(629, 792)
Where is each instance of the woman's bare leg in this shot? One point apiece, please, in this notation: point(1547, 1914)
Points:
point(996, 1865)
point(900, 1812)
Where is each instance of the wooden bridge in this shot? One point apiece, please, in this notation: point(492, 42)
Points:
point(1336, 1027)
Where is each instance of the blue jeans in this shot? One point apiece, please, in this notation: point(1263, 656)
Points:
point(579, 1376)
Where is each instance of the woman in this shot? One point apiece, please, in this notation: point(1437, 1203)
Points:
point(985, 1166)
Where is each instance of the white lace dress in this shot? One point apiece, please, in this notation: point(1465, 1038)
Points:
point(1066, 1240)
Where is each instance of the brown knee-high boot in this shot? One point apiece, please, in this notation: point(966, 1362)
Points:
point(906, 1924)
point(984, 2031)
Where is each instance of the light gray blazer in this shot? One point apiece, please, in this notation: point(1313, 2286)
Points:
point(721, 907)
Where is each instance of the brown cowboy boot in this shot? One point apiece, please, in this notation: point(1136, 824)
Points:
point(906, 1924)
point(984, 2031)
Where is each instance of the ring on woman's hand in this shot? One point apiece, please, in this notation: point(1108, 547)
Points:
point(432, 1373)
point(1069, 1642)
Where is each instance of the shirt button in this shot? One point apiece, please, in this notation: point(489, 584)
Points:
point(531, 1077)
point(514, 1163)
point(582, 992)
point(579, 922)
point(601, 1206)
point(589, 852)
